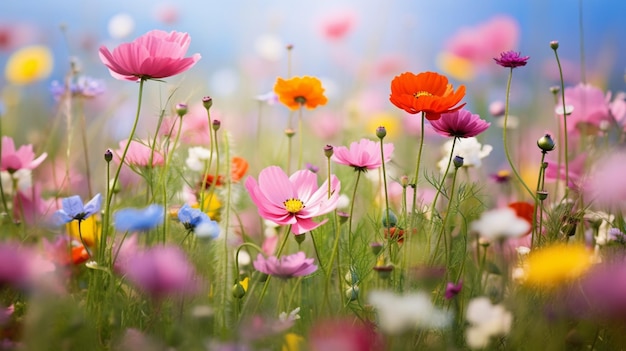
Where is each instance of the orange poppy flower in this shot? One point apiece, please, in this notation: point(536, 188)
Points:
point(427, 92)
point(238, 168)
point(300, 91)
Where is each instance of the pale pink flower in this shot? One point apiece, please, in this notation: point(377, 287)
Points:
point(161, 271)
point(296, 265)
point(576, 168)
point(154, 55)
point(31, 207)
point(363, 155)
point(23, 158)
point(590, 107)
point(292, 200)
point(336, 26)
point(479, 44)
point(139, 154)
point(195, 129)
point(459, 124)
point(344, 334)
point(15, 265)
point(605, 183)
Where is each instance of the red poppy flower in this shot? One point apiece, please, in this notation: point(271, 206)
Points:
point(427, 92)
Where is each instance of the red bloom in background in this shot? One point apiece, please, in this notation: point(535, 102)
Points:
point(238, 168)
point(154, 55)
point(427, 92)
point(525, 211)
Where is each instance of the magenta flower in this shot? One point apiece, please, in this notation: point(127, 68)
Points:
point(161, 271)
point(154, 55)
point(459, 124)
point(362, 155)
point(23, 158)
point(15, 265)
point(292, 200)
point(296, 265)
point(511, 59)
point(453, 290)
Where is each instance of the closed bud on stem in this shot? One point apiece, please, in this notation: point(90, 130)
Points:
point(457, 161)
point(181, 109)
point(216, 124)
point(300, 238)
point(389, 219)
point(328, 150)
point(546, 143)
point(108, 155)
point(542, 195)
point(554, 44)
point(381, 132)
point(207, 102)
point(289, 132)
point(238, 291)
point(404, 181)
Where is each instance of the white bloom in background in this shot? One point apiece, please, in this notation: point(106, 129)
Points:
point(469, 148)
point(500, 223)
point(343, 202)
point(399, 313)
point(21, 176)
point(486, 320)
point(291, 317)
point(243, 258)
point(198, 158)
point(600, 221)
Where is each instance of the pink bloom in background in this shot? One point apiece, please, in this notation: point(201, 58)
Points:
point(32, 206)
point(161, 271)
point(511, 59)
point(292, 200)
point(590, 107)
point(15, 265)
point(23, 158)
point(363, 155)
point(139, 154)
point(296, 265)
point(459, 124)
point(605, 183)
point(154, 55)
point(479, 44)
point(336, 26)
point(576, 170)
point(602, 292)
point(345, 335)
point(195, 126)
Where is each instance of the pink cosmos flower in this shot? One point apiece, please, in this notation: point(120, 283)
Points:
point(296, 265)
point(362, 155)
point(576, 170)
point(590, 107)
point(344, 334)
point(161, 271)
point(16, 268)
point(337, 25)
point(292, 200)
point(605, 184)
point(459, 124)
point(23, 158)
point(154, 55)
point(139, 154)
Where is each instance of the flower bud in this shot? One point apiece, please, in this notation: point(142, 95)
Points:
point(207, 102)
point(343, 216)
point(181, 109)
point(542, 195)
point(389, 219)
point(351, 277)
point(300, 238)
point(546, 143)
point(238, 291)
point(555, 89)
point(289, 47)
point(352, 293)
point(216, 124)
point(404, 181)
point(376, 248)
point(289, 132)
point(554, 44)
point(108, 155)
point(457, 161)
point(381, 132)
point(328, 150)
point(384, 272)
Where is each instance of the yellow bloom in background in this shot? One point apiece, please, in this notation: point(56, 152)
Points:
point(293, 342)
point(297, 92)
point(212, 206)
point(387, 120)
point(28, 65)
point(90, 229)
point(557, 264)
point(456, 67)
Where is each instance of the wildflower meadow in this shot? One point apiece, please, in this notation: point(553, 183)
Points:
point(472, 205)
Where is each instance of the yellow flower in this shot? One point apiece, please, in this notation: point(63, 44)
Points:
point(28, 65)
point(293, 342)
point(557, 264)
point(387, 120)
point(212, 206)
point(456, 67)
point(300, 91)
point(90, 228)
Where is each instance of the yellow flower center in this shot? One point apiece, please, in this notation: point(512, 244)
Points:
point(293, 205)
point(422, 93)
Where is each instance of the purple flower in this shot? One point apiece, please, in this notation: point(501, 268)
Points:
point(453, 289)
point(511, 59)
point(73, 209)
point(459, 124)
point(161, 271)
point(296, 265)
point(83, 86)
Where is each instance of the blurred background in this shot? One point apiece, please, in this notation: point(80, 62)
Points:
point(355, 46)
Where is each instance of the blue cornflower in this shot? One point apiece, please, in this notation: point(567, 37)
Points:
point(73, 209)
point(83, 86)
point(199, 222)
point(138, 219)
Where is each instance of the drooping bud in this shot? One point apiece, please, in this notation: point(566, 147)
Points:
point(546, 143)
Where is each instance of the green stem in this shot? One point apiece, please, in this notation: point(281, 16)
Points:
point(566, 148)
point(267, 282)
point(107, 209)
point(504, 132)
point(388, 219)
point(300, 137)
point(356, 185)
point(439, 188)
point(442, 232)
point(417, 172)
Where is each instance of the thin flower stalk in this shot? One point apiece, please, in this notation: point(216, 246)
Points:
point(417, 173)
point(439, 189)
point(442, 232)
point(565, 143)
